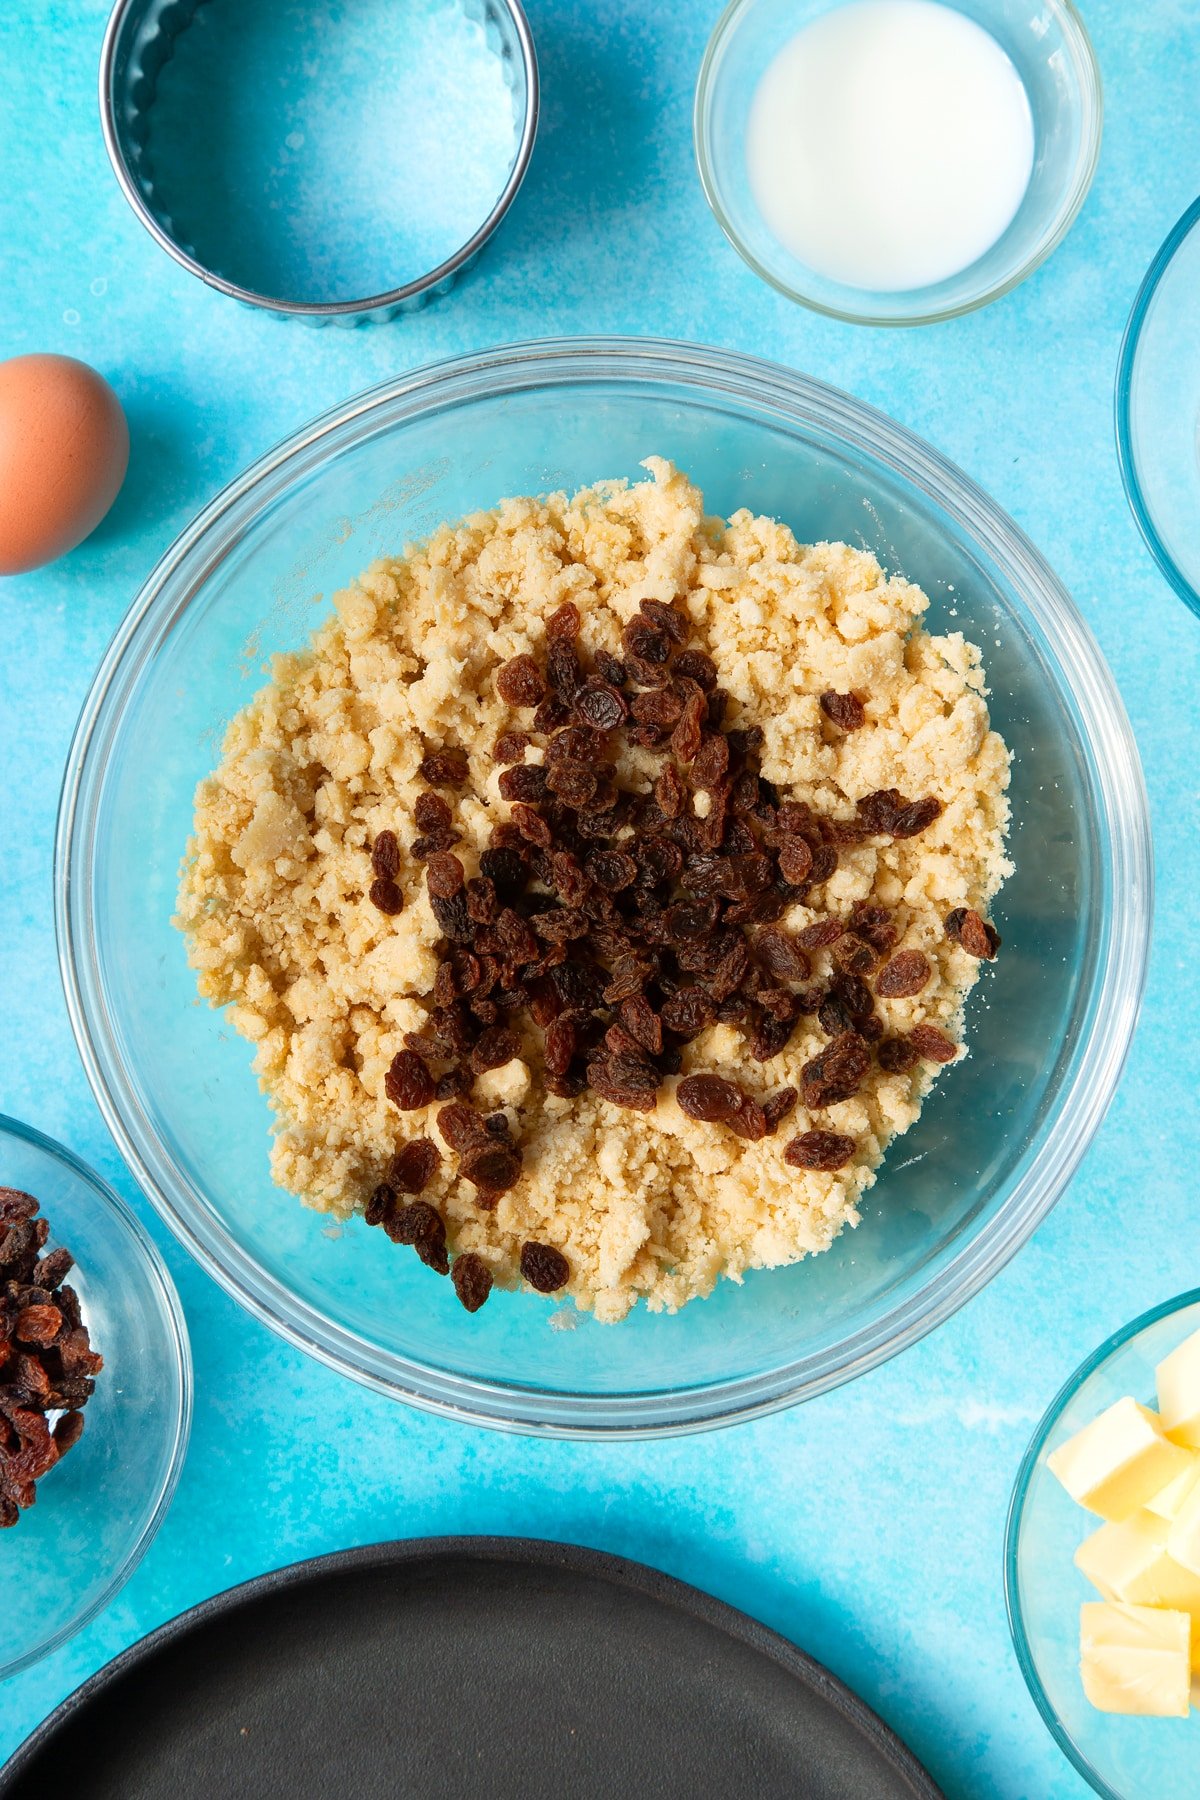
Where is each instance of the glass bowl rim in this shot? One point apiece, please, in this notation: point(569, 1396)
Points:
point(1120, 966)
point(1161, 262)
point(1016, 1513)
point(318, 311)
point(1090, 85)
point(171, 1313)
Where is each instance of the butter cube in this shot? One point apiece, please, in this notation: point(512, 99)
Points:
point(1167, 1503)
point(1135, 1659)
point(1183, 1533)
point(1130, 1561)
point(1178, 1379)
point(1119, 1461)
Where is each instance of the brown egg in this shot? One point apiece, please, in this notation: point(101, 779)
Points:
point(64, 449)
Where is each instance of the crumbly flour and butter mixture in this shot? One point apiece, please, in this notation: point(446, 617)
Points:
point(811, 944)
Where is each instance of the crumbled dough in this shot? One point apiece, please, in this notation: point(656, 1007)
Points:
point(273, 896)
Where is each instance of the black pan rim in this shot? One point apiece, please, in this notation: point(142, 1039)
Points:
point(533, 1553)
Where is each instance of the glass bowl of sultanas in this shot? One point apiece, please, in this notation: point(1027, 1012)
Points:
point(95, 1394)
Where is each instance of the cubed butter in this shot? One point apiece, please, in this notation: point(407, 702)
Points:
point(1130, 1561)
point(1167, 1503)
point(1119, 1461)
point(1135, 1659)
point(1178, 1379)
point(1183, 1533)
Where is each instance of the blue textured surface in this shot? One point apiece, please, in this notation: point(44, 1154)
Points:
point(867, 1525)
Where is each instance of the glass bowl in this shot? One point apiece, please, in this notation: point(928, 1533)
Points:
point(1051, 51)
point(1124, 1758)
point(98, 1509)
point(253, 575)
point(1158, 409)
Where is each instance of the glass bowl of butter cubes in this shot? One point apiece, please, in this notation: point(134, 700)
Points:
point(1102, 1564)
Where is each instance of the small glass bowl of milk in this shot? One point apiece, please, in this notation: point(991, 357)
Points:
point(893, 162)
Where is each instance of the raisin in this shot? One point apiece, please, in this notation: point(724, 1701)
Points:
point(37, 1324)
point(897, 1055)
point(905, 975)
point(386, 896)
point(444, 768)
point(414, 1166)
point(664, 618)
point(380, 1203)
point(385, 856)
point(443, 875)
point(670, 793)
point(52, 1269)
point(874, 924)
point(613, 870)
point(601, 706)
point(688, 1011)
point(780, 955)
point(408, 1083)
point(67, 1432)
point(432, 814)
point(770, 1036)
point(610, 668)
point(564, 622)
point(527, 782)
point(855, 956)
point(491, 1166)
point(459, 1125)
point(778, 1107)
point(843, 710)
point(878, 811)
point(688, 735)
point(795, 861)
point(544, 1267)
point(708, 1097)
point(505, 868)
point(911, 820)
point(824, 1150)
point(658, 707)
point(422, 1226)
point(824, 864)
point(472, 1280)
point(820, 934)
point(625, 1081)
point(510, 746)
point(496, 1047)
point(454, 921)
point(711, 762)
point(560, 1045)
point(932, 1044)
point(552, 713)
point(979, 939)
point(519, 682)
point(835, 1073)
point(532, 826)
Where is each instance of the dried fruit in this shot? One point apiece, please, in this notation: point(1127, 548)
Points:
point(843, 710)
point(709, 1097)
point(965, 926)
point(384, 894)
point(906, 974)
point(897, 1055)
point(413, 1167)
point(544, 1267)
point(385, 855)
point(494, 1048)
point(444, 768)
point(825, 1150)
point(835, 1073)
point(47, 1364)
point(472, 1280)
point(932, 1044)
point(911, 820)
point(491, 1166)
point(519, 682)
point(408, 1083)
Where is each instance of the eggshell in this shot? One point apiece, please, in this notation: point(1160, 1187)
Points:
point(64, 449)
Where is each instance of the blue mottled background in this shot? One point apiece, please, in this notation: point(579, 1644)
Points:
point(868, 1524)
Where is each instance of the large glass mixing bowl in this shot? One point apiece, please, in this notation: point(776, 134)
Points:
point(1002, 1133)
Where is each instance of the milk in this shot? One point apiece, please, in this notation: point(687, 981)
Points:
point(889, 143)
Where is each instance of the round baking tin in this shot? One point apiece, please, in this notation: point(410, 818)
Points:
point(139, 41)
